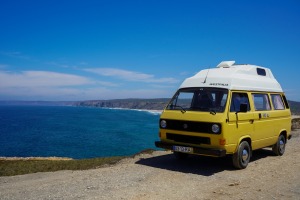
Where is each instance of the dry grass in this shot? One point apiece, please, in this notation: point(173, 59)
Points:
point(18, 166)
point(11, 166)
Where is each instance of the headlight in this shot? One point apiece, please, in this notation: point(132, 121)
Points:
point(215, 128)
point(163, 124)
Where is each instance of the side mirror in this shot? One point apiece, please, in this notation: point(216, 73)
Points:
point(243, 107)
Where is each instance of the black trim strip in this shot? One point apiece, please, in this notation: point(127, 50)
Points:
point(190, 126)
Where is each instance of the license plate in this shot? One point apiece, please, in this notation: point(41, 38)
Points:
point(183, 149)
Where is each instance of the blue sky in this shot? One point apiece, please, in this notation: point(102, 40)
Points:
point(108, 49)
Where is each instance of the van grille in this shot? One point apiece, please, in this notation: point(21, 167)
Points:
point(190, 126)
point(188, 139)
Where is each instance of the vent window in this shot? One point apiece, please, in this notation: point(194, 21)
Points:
point(261, 72)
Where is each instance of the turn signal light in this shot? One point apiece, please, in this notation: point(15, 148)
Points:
point(222, 141)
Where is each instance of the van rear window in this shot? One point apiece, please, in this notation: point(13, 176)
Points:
point(277, 102)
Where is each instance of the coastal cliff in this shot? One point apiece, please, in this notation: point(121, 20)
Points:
point(147, 104)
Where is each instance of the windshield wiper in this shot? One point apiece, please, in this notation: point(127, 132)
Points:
point(213, 112)
point(181, 108)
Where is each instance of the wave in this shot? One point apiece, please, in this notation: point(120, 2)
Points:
point(154, 112)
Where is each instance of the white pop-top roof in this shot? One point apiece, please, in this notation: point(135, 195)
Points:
point(236, 77)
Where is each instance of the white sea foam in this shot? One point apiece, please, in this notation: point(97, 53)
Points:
point(154, 112)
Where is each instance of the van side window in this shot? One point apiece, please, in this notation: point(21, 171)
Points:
point(261, 102)
point(277, 102)
point(237, 99)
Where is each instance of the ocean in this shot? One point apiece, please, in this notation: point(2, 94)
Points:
point(75, 132)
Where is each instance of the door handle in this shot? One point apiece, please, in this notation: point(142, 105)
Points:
point(264, 115)
point(251, 121)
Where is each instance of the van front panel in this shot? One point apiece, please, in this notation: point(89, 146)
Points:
point(192, 128)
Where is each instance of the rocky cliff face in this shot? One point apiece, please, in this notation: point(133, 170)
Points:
point(295, 107)
point(295, 123)
point(149, 104)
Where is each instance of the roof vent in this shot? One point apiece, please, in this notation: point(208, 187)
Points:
point(226, 64)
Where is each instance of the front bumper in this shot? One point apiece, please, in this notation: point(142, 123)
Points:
point(196, 150)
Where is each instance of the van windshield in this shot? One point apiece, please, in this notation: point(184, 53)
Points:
point(199, 99)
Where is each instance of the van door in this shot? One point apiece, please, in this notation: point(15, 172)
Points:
point(264, 133)
point(239, 123)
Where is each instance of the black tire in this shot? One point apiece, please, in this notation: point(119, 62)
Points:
point(180, 156)
point(241, 158)
point(279, 147)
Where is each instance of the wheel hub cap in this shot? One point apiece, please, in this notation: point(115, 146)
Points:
point(245, 155)
point(281, 145)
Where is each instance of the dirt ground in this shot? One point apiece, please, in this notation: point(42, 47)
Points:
point(161, 176)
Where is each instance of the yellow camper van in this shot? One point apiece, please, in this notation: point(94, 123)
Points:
point(228, 110)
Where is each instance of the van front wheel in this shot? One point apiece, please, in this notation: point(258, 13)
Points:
point(279, 147)
point(241, 158)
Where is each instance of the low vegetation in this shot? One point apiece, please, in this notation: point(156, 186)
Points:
point(19, 166)
point(11, 167)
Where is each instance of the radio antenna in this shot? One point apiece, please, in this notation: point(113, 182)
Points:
point(206, 75)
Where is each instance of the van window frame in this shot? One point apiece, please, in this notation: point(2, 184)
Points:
point(235, 108)
point(217, 105)
point(287, 106)
point(263, 101)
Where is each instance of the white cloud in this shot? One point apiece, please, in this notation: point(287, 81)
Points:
point(47, 79)
point(130, 75)
point(77, 94)
point(103, 94)
point(46, 85)
point(41, 78)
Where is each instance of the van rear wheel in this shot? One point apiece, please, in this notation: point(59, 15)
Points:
point(279, 147)
point(241, 158)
